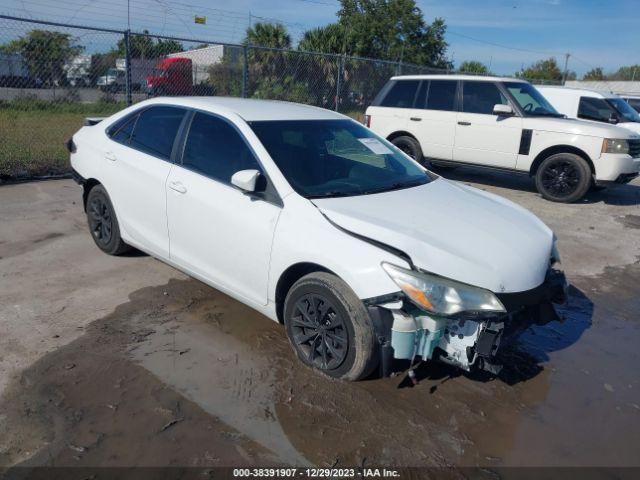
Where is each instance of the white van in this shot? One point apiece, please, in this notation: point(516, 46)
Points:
point(505, 124)
point(594, 105)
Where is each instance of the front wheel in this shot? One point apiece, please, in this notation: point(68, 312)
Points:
point(563, 177)
point(329, 327)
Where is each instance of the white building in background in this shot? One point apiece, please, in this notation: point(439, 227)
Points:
point(78, 69)
point(622, 88)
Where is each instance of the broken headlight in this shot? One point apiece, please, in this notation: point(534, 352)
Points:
point(442, 296)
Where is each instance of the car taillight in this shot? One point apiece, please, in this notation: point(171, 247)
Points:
point(70, 145)
point(367, 121)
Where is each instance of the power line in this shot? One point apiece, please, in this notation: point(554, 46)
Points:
point(519, 49)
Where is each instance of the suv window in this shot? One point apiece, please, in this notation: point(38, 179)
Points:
point(480, 97)
point(215, 149)
point(401, 94)
point(595, 109)
point(156, 129)
point(441, 95)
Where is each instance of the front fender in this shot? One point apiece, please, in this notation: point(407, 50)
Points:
point(304, 235)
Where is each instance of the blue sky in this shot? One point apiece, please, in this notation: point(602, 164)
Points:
point(595, 32)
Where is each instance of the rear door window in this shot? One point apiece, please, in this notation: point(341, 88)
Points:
point(156, 129)
point(215, 149)
point(441, 95)
point(481, 97)
point(401, 95)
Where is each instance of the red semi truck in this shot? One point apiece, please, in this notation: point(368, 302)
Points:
point(172, 76)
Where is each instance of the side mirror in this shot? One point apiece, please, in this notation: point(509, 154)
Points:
point(613, 118)
point(502, 110)
point(245, 180)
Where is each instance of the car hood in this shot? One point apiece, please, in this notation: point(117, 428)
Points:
point(454, 231)
point(579, 127)
point(633, 126)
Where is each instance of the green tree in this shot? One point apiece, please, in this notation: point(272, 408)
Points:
point(383, 29)
point(45, 54)
point(594, 74)
point(269, 68)
point(473, 67)
point(272, 35)
point(143, 46)
point(631, 72)
point(327, 39)
point(542, 70)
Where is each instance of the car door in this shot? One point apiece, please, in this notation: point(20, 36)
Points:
point(433, 120)
point(139, 157)
point(216, 230)
point(481, 137)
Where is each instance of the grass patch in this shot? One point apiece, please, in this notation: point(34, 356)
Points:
point(32, 139)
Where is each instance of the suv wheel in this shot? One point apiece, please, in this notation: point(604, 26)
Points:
point(103, 223)
point(410, 146)
point(563, 177)
point(329, 327)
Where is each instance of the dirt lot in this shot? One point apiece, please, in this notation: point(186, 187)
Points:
point(125, 361)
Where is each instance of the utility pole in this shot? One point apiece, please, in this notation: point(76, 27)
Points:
point(128, 15)
point(566, 67)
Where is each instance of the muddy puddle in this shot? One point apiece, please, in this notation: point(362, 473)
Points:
point(183, 375)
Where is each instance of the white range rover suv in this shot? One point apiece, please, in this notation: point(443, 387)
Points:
point(502, 123)
point(315, 221)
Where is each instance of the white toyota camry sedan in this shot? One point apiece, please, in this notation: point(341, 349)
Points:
point(310, 218)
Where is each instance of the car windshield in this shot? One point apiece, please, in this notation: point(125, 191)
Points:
point(531, 100)
point(336, 158)
point(625, 110)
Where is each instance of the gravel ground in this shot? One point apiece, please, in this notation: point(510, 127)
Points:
point(125, 361)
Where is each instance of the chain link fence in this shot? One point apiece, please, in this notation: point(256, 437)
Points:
point(52, 75)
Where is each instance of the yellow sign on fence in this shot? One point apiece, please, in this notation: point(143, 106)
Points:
point(200, 20)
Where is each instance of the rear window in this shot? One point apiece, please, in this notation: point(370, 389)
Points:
point(401, 94)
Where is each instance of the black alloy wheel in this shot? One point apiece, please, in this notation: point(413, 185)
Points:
point(563, 177)
point(319, 332)
point(560, 178)
point(100, 220)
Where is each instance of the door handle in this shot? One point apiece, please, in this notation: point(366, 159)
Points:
point(464, 124)
point(110, 156)
point(415, 119)
point(178, 187)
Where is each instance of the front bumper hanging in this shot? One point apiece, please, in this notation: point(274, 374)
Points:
point(406, 333)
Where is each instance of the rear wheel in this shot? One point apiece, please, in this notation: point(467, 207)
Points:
point(103, 223)
point(329, 327)
point(410, 146)
point(563, 177)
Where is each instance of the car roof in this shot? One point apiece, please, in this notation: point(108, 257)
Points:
point(590, 91)
point(458, 77)
point(250, 109)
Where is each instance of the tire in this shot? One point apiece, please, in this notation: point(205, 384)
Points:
point(410, 146)
point(563, 177)
point(103, 224)
point(329, 327)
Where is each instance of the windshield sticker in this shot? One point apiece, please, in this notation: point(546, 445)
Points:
point(376, 146)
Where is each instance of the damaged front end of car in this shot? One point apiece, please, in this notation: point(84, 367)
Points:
point(434, 318)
